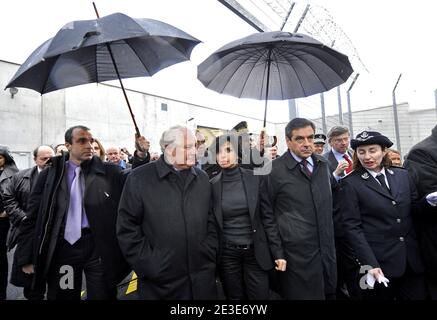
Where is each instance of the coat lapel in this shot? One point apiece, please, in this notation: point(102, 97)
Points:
point(332, 159)
point(291, 164)
point(392, 181)
point(251, 188)
point(371, 183)
point(217, 194)
point(190, 178)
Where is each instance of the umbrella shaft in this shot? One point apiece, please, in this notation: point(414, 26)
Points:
point(269, 62)
point(95, 9)
point(122, 88)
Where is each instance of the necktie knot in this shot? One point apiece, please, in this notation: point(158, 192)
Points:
point(350, 166)
point(77, 172)
point(304, 164)
point(381, 178)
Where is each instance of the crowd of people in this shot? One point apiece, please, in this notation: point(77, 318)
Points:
point(315, 223)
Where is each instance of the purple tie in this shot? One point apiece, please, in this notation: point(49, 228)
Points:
point(305, 168)
point(73, 225)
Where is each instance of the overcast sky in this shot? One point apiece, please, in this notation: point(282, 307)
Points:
point(391, 37)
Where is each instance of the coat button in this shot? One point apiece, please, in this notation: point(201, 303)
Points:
point(254, 230)
point(393, 202)
point(398, 220)
point(401, 239)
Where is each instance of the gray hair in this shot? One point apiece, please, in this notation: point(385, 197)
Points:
point(170, 135)
point(113, 147)
point(337, 131)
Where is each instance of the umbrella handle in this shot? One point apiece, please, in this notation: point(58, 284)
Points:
point(263, 135)
point(275, 141)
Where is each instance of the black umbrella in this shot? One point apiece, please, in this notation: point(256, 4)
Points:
point(274, 66)
point(108, 48)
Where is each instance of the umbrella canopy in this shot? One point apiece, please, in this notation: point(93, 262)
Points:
point(274, 66)
point(108, 48)
point(78, 53)
point(299, 65)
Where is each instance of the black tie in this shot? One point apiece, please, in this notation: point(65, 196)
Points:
point(381, 179)
point(305, 168)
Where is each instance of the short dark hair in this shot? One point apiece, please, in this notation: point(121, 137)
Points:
point(298, 123)
point(69, 133)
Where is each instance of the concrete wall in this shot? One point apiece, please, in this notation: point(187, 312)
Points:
point(103, 109)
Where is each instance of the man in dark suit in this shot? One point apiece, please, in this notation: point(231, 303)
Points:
point(164, 226)
point(421, 163)
point(70, 227)
point(339, 157)
point(340, 164)
point(299, 189)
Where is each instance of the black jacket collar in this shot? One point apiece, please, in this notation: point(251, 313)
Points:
point(165, 169)
point(94, 165)
point(291, 163)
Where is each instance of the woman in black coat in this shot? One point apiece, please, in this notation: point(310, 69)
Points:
point(7, 170)
point(249, 242)
point(377, 203)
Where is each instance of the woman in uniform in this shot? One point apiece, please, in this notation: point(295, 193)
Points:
point(377, 204)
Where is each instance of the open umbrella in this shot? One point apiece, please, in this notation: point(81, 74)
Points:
point(274, 66)
point(108, 48)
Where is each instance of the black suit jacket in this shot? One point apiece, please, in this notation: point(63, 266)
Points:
point(341, 246)
point(167, 232)
point(378, 224)
point(46, 213)
point(267, 243)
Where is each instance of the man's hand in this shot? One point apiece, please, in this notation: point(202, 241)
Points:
point(28, 269)
point(262, 140)
point(142, 145)
point(281, 264)
point(3, 214)
point(342, 166)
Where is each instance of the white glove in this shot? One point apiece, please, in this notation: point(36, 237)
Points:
point(381, 279)
point(432, 198)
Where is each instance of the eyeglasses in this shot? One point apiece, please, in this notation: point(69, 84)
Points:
point(200, 142)
point(340, 140)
